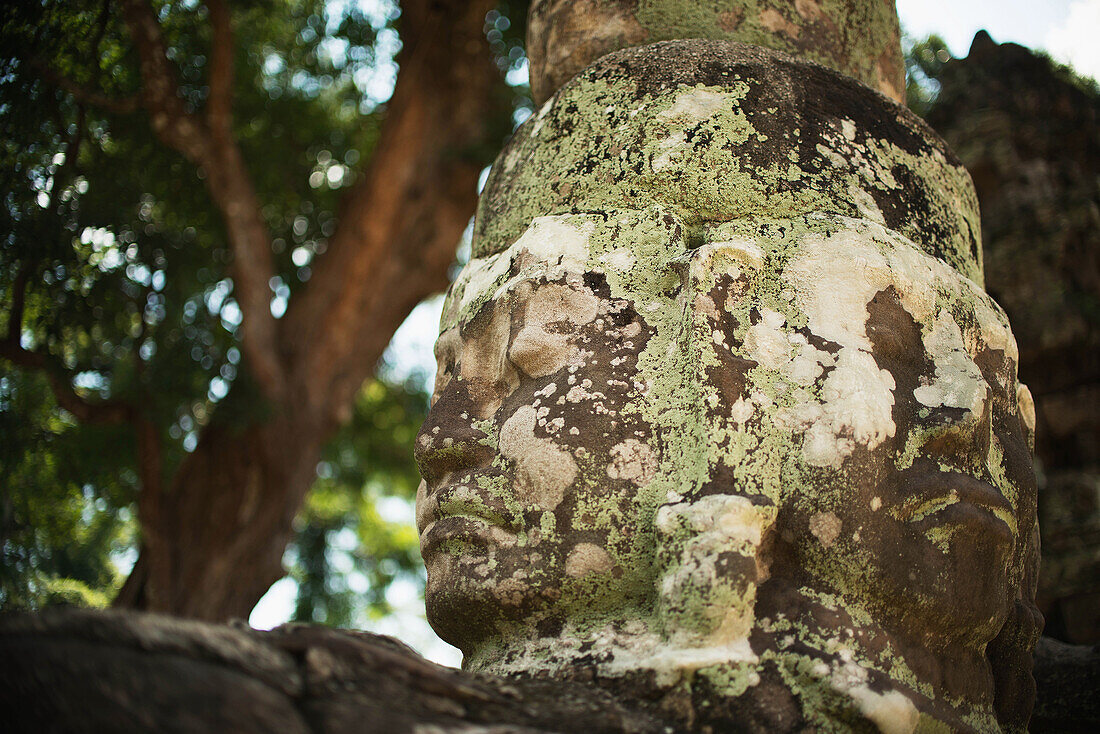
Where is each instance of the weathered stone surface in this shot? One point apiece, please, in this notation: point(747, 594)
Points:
point(724, 418)
point(77, 671)
point(858, 37)
point(1068, 677)
point(1030, 138)
point(716, 131)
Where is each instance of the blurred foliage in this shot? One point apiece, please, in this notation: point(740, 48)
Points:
point(347, 550)
point(1068, 74)
point(65, 505)
point(924, 60)
point(125, 264)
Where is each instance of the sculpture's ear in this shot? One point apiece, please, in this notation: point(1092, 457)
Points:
point(1025, 405)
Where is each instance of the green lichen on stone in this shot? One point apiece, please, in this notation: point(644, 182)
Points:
point(710, 152)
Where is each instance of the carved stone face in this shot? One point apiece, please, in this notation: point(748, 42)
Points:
point(538, 454)
point(876, 405)
point(629, 428)
point(720, 399)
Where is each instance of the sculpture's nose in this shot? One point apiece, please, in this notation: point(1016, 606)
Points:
point(448, 441)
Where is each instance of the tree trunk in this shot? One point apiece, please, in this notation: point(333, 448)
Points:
point(214, 533)
point(213, 540)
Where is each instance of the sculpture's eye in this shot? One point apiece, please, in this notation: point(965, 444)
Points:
point(528, 353)
point(446, 357)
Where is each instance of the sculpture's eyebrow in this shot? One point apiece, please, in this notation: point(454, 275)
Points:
point(542, 271)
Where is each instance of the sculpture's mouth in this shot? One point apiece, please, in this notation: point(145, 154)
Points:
point(935, 497)
point(462, 530)
point(463, 509)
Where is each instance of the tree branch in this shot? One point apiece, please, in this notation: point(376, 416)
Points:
point(410, 204)
point(218, 104)
point(95, 98)
point(211, 146)
point(159, 87)
point(11, 349)
point(86, 95)
point(108, 411)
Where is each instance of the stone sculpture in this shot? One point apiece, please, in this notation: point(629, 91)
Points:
point(724, 418)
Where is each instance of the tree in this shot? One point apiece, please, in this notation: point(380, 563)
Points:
point(202, 275)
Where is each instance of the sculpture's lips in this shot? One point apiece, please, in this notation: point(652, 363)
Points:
point(466, 529)
point(937, 497)
point(462, 511)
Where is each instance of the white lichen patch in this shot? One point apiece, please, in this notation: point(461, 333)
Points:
point(543, 469)
point(767, 342)
point(553, 245)
point(958, 382)
point(825, 526)
point(696, 104)
point(586, 558)
point(673, 664)
point(892, 711)
point(633, 461)
point(856, 404)
point(741, 411)
point(620, 259)
point(718, 522)
point(704, 606)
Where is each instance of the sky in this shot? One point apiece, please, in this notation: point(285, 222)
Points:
point(1066, 29)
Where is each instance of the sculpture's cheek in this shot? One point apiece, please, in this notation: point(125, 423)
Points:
point(544, 471)
point(545, 341)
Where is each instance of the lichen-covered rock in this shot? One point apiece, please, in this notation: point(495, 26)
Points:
point(82, 671)
point(860, 38)
point(724, 418)
point(716, 131)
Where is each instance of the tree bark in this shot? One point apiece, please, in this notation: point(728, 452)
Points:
point(213, 538)
point(860, 38)
point(213, 534)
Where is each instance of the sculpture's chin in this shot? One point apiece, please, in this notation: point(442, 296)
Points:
point(468, 610)
point(461, 612)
